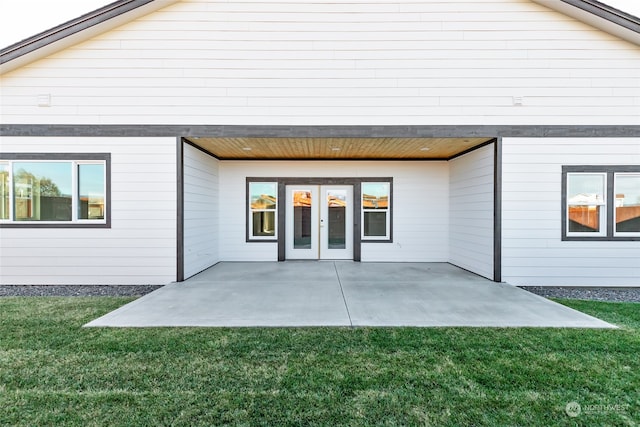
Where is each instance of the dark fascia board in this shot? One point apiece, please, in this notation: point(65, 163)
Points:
point(280, 131)
point(598, 15)
point(607, 12)
point(69, 28)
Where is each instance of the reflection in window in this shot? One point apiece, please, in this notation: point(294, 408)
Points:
point(627, 202)
point(91, 191)
point(586, 202)
point(337, 204)
point(42, 191)
point(263, 207)
point(302, 205)
point(4, 191)
point(375, 210)
point(601, 202)
point(52, 191)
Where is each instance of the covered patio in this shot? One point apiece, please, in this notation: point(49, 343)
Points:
point(342, 293)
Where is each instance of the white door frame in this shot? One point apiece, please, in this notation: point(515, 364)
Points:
point(301, 236)
point(309, 225)
point(334, 219)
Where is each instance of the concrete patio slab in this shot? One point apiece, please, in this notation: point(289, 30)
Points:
point(342, 293)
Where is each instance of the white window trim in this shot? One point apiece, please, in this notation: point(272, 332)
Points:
point(74, 160)
point(253, 237)
point(615, 220)
point(602, 207)
point(387, 236)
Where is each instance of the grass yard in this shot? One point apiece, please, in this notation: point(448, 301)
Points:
point(54, 372)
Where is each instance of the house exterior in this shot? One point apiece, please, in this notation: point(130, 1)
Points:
point(151, 139)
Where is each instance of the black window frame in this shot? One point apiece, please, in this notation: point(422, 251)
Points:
point(106, 157)
point(609, 171)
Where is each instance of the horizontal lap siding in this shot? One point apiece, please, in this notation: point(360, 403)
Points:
point(532, 250)
point(420, 207)
point(420, 214)
point(338, 63)
point(200, 211)
point(471, 206)
point(140, 246)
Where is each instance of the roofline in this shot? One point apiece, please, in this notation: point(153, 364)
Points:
point(609, 13)
point(628, 24)
point(599, 15)
point(68, 28)
point(76, 31)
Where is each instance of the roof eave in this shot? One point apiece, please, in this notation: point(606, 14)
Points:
point(76, 31)
point(599, 15)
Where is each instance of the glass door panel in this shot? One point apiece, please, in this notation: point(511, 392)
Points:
point(301, 220)
point(302, 205)
point(336, 222)
point(336, 210)
point(319, 222)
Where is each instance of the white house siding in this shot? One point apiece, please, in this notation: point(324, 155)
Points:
point(532, 250)
point(140, 246)
point(420, 207)
point(471, 211)
point(200, 211)
point(337, 63)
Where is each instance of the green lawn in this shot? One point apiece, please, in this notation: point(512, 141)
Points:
point(54, 372)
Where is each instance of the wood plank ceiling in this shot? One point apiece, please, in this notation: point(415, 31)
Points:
point(336, 148)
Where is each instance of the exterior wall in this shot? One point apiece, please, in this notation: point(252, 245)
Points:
point(301, 62)
point(420, 207)
point(471, 211)
point(420, 213)
point(532, 250)
point(140, 246)
point(200, 211)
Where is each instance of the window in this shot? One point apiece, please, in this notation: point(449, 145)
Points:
point(4, 191)
point(627, 204)
point(376, 211)
point(372, 221)
point(601, 202)
point(586, 203)
point(54, 190)
point(263, 210)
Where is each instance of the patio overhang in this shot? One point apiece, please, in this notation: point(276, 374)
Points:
point(309, 148)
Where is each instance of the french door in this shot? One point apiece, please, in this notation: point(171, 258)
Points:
point(319, 222)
